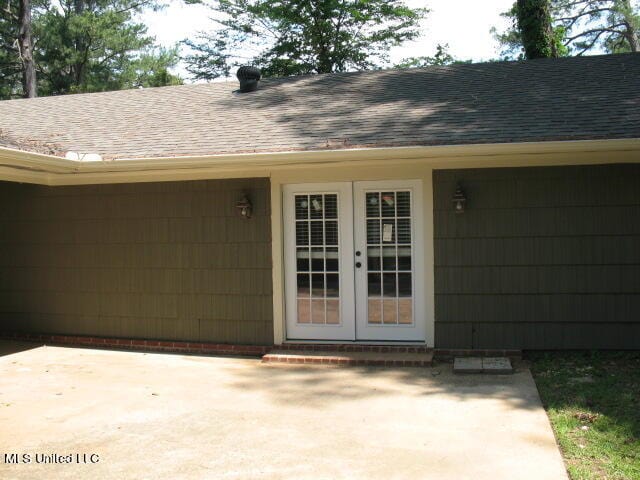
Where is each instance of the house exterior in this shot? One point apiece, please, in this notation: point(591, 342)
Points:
point(481, 206)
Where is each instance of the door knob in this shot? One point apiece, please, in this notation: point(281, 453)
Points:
point(358, 264)
point(358, 253)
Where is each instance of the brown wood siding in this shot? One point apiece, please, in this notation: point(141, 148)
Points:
point(542, 258)
point(167, 260)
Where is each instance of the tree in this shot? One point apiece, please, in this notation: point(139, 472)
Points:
point(534, 25)
point(610, 25)
point(582, 26)
point(83, 46)
point(16, 49)
point(151, 69)
point(93, 45)
point(25, 46)
point(441, 57)
point(293, 37)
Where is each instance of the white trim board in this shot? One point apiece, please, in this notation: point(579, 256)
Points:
point(351, 174)
point(27, 167)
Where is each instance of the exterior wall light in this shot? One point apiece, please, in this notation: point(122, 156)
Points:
point(459, 199)
point(245, 207)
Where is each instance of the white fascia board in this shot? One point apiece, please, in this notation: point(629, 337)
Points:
point(52, 170)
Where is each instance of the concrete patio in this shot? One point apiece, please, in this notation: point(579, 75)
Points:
point(191, 417)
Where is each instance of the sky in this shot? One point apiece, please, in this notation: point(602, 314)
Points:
point(463, 24)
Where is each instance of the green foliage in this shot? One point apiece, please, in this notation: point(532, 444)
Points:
point(151, 69)
point(612, 26)
point(534, 24)
point(592, 401)
point(294, 37)
point(441, 57)
point(90, 46)
point(10, 65)
point(579, 27)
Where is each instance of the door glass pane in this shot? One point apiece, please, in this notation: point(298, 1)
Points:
point(373, 259)
point(404, 230)
point(374, 285)
point(303, 285)
point(330, 206)
point(373, 204)
point(374, 310)
point(332, 259)
point(389, 285)
point(318, 292)
point(405, 311)
point(317, 259)
point(404, 258)
point(333, 285)
point(389, 257)
point(331, 232)
point(317, 285)
point(316, 206)
point(317, 311)
point(302, 207)
point(333, 312)
point(302, 259)
point(388, 204)
point(390, 311)
point(373, 232)
point(302, 233)
point(388, 231)
point(317, 233)
point(404, 284)
point(404, 204)
point(304, 310)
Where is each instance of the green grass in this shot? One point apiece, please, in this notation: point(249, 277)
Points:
point(593, 402)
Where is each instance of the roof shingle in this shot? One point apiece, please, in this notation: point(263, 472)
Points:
point(540, 100)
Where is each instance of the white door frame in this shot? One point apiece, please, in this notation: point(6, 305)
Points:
point(415, 332)
point(345, 330)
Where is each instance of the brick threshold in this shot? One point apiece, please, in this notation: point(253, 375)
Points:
point(440, 353)
point(202, 348)
point(351, 347)
point(350, 358)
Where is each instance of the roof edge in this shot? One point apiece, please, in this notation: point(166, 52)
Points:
point(49, 165)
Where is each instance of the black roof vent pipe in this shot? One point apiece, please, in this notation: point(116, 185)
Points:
point(249, 77)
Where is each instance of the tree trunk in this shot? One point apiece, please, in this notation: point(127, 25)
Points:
point(25, 43)
point(631, 33)
point(632, 36)
point(80, 67)
point(534, 23)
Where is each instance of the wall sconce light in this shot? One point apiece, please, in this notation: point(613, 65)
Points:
point(245, 207)
point(459, 199)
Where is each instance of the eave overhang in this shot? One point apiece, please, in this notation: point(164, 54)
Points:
point(28, 167)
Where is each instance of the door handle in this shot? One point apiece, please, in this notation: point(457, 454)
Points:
point(358, 253)
point(358, 264)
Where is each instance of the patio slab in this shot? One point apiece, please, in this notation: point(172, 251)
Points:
point(191, 417)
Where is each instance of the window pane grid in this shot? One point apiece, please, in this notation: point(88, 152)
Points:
point(389, 257)
point(317, 259)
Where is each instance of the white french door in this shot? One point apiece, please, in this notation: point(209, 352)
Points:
point(354, 261)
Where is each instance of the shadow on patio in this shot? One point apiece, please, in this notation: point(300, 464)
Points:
point(319, 385)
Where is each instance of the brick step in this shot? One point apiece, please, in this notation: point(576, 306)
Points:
point(368, 358)
point(353, 347)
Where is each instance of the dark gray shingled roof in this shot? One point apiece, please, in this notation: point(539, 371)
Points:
point(540, 100)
